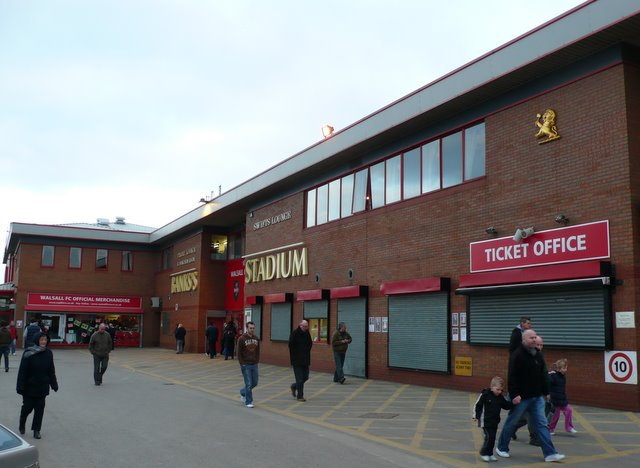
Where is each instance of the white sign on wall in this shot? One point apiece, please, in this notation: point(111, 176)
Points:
point(621, 367)
point(625, 320)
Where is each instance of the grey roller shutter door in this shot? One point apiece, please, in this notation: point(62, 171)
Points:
point(569, 318)
point(256, 317)
point(418, 331)
point(280, 321)
point(353, 312)
point(316, 309)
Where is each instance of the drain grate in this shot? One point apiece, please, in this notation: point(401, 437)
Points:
point(379, 415)
point(168, 383)
point(144, 367)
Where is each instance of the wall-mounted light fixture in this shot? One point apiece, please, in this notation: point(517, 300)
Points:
point(561, 219)
point(491, 230)
point(327, 131)
point(523, 233)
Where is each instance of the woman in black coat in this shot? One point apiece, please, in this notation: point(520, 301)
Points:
point(36, 374)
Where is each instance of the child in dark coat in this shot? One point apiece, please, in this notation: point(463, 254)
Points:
point(558, 393)
point(487, 413)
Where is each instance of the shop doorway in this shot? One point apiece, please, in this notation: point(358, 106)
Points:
point(353, 312)
point(218, 322)
point(56, 323)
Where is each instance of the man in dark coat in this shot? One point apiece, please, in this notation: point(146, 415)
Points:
point(212, 337)
point(100, 346)
point(300, 343)
point(30, 333)
point(180, 335)
point(528, 389)
point(36, 374)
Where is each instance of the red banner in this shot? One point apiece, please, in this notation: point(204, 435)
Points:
point(570, 244)
point(234, 294)
point(83, 302)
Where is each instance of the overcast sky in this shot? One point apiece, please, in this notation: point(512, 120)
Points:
point(139, 108)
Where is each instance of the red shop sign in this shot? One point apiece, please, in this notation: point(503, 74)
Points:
point(569, 244)
point(83, 302)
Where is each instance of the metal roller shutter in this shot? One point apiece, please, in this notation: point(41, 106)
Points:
point(418, 331)
point(353, 312)
point(564, 318)
point(256, 317)
point(280, 321)
point(316, 309)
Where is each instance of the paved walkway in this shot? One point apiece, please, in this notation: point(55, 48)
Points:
point(428, 422)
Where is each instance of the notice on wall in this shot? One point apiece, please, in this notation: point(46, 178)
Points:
point(454, 334)
point(385, 324)
point(372, 324)
point(625, 320)
point(463, 366)
point(454, 319)
point(463, 333)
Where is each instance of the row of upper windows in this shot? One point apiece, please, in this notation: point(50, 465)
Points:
point(75, 258)
point(436, 165)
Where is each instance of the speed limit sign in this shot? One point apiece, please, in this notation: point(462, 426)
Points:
point(620, 367)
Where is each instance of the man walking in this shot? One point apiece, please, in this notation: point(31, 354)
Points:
point(300, 343)
point(340, 342)
point(248, 357)
point(30, 332)
point(212, 337)
point(100, 347)
point(516, 334)
point(528, 388)
point(180, 334)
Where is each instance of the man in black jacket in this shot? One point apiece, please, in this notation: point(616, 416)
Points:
point(528, 389)
point(300, 343)
point(212, 337)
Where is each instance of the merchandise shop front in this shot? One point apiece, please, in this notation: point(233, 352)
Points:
point(71, 318)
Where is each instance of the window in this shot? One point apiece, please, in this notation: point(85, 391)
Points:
point(317, 314)
point(411, 174)
point(47, 255)
point(218, 247)
point(393, 180)
point(438, 164)
point(127, 261)
point(431, 166)
point(75, 257)
point(323, 195)
point(346, 208)
point(474, 158)
point(167, 258)
point(334, 200)
point(236, 246)
point(311, 208)
point(360, 196)
point(102, 256)
point(452, 160)
point(280, 321)
point(377, 185)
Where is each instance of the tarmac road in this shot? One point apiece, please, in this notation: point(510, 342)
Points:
point(136, 420)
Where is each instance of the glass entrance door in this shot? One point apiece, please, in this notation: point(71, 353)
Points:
point(55, 322)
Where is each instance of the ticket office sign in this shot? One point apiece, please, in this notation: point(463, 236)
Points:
point(569, 244)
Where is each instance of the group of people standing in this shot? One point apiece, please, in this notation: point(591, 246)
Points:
point(300, 344)
point(227, 340)
point(531, 388)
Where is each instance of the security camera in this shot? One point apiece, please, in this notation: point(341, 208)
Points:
point(528, 232)
point(518, 236)
point(523, 233)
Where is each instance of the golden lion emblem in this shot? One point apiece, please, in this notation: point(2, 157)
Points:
point(547, 125)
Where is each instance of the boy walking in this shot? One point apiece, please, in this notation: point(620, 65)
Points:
point(487, 413)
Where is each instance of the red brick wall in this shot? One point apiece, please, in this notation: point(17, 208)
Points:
point(87, 280)
point(584, 175)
